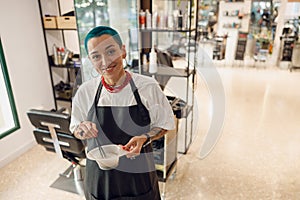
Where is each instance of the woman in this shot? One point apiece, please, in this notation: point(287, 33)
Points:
point(122, 108)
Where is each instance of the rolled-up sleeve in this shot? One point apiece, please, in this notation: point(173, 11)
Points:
point(160, 110)
point(81, 103)
point(77, 116)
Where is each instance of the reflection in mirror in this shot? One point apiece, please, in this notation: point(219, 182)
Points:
point(9, 121)
point(120, 15)
point(263, 23)
point(263, 17)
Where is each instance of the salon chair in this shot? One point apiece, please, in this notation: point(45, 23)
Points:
point(52, 132)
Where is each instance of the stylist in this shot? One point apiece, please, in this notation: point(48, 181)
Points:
point(123, 108)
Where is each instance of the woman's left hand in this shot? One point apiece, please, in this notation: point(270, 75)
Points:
point(135, 145)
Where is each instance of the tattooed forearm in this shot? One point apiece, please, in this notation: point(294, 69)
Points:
point(156, 133)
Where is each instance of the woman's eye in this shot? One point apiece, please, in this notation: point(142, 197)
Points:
point(111, 52)
point(95, 57)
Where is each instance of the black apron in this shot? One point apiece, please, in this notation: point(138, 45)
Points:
point(133, 179)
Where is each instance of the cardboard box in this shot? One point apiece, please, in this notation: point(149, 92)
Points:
point(66, 22)
point(50, 22)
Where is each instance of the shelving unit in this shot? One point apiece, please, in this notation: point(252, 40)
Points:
point(234, 17)
point(62, 33)
point(149, 38)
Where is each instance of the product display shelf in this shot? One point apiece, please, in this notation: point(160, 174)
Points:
point(184, 115)
point(55, 30)
point(148, 40)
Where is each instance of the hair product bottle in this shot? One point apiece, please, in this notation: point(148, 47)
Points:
point(148, 19)
point(142, 19)
point(153, 61)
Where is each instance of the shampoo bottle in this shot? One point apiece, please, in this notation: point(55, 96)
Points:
point(148, 19)
point(142, 19)
point(153, 62)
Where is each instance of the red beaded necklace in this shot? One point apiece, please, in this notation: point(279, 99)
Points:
point(119, 87)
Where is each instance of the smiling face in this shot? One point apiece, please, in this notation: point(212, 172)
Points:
point(107, 57)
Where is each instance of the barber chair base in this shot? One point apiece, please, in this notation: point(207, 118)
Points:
point(68, 182)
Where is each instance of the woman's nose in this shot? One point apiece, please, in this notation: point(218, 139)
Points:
point(104, 60)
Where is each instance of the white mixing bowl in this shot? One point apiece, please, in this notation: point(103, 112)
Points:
point(111, 161)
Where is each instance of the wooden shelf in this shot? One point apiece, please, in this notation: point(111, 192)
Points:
point(61, 29)
point(64, 27)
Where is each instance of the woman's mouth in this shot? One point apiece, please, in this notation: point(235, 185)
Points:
point(108, 68)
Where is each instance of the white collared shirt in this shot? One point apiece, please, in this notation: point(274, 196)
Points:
point(152, 97)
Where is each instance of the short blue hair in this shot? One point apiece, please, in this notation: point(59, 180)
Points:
point(102, 30)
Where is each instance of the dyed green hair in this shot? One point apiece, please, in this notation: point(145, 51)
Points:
point(102, 30)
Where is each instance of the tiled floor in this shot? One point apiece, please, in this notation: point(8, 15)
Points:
point(256, 157)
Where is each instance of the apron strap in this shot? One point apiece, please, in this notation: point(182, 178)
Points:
point(135, 92)
point(141, 106)
point(99, 89)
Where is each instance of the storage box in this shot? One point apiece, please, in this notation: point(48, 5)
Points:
point(66, 22)
point(50, 22)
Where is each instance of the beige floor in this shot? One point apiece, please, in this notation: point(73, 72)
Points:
point(257, 156)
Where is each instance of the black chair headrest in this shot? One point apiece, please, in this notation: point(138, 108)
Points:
point(38, 118)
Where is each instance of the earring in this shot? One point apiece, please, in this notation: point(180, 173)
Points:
point(126, 64)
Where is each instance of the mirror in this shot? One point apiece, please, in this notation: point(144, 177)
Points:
point(92, 13)
point(263, 17)
point(9, 121)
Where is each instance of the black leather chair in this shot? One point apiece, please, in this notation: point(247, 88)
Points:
point(52, 132)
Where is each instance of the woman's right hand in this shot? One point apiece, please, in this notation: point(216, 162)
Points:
point(85, 130)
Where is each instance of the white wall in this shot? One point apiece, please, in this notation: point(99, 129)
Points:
point(24, 49)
